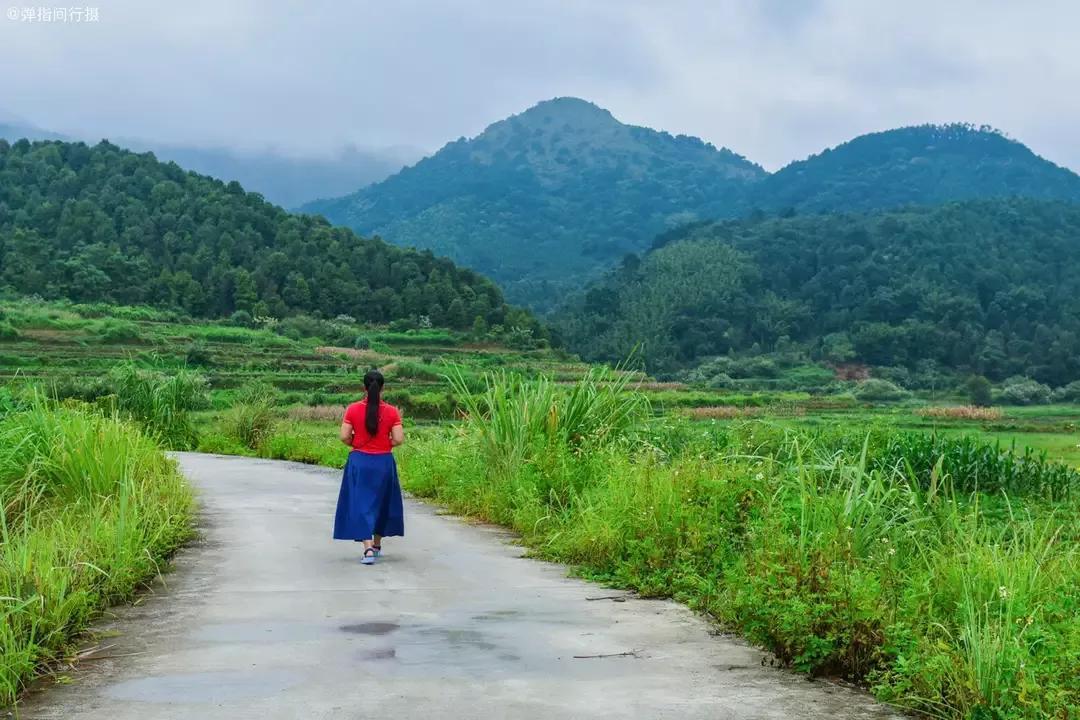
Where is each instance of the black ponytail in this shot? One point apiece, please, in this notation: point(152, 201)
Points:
point(373, 383)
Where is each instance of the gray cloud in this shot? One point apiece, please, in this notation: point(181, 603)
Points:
point(774, 80)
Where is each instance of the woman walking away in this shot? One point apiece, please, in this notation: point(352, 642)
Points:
point(369, 504)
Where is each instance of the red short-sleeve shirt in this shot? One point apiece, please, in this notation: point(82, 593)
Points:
point(376, 444)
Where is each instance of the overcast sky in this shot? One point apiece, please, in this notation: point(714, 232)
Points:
point(774, 80)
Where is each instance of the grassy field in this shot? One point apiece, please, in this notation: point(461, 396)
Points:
point(72, 349)
point(924, 548)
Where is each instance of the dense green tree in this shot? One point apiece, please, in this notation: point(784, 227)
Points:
point(979, 391)
point(104, 224)
point(989, 287)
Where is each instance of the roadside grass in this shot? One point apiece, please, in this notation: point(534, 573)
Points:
point(90, 508)
point(843, 558)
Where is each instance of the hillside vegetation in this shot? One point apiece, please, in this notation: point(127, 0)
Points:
point(543, 201)
point(103, 224)
point(552, 194)
point(922, 165)
point(986, 286)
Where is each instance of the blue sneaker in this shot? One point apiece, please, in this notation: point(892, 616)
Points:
point(369, 557)
point(377, 549)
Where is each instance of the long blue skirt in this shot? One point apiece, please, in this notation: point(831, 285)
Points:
point(369, 502)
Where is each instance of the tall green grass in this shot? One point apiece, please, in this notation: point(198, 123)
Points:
point(161, 402)
point(844, 556)
point(89, 508)
point(515, 418)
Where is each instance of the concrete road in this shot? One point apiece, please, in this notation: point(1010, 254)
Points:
point(266, 617)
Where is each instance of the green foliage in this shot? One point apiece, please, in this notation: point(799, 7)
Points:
point(89, 509)
point(249, 424)
point(848, 554)
point(973, 465)
point(1069, 393)
point(101, 224)
point(253, 417)
point(113, 331)
point(877, 390)
point(518, 419)
point(984, 287)
point(198, 354)
point(1024, 391)
point(979, 391)
point(160, 402)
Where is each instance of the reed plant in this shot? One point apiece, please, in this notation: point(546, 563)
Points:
point(89, 509)
point(161, 402)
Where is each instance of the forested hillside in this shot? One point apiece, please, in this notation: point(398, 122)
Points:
point(104, 224)
point(545, 198)
point(985, 286)
point(543, 201)
point(923, 165)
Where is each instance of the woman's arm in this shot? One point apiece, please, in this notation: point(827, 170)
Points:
point(397, 435)
point(346, 434)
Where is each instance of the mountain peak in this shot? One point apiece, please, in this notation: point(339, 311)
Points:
point(561, 113)
point(567, 106)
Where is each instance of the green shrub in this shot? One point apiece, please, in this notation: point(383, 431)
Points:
point(254, 416)
point(242, 318)
point(249, 424)
point(516, 419)
point(721, 381)
point(1068, 394)
point(979, 391)
point(1025, 391)
point(878, 390)
point(112, 330)
point(299, 327)
point(198, 354)
point(160, 402)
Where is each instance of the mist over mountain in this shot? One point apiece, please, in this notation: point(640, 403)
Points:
point(284, 179)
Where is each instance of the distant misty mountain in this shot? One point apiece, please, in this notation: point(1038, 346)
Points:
point(286, 180)
point(283, 179)
point(546, 200)
point(12, 130)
